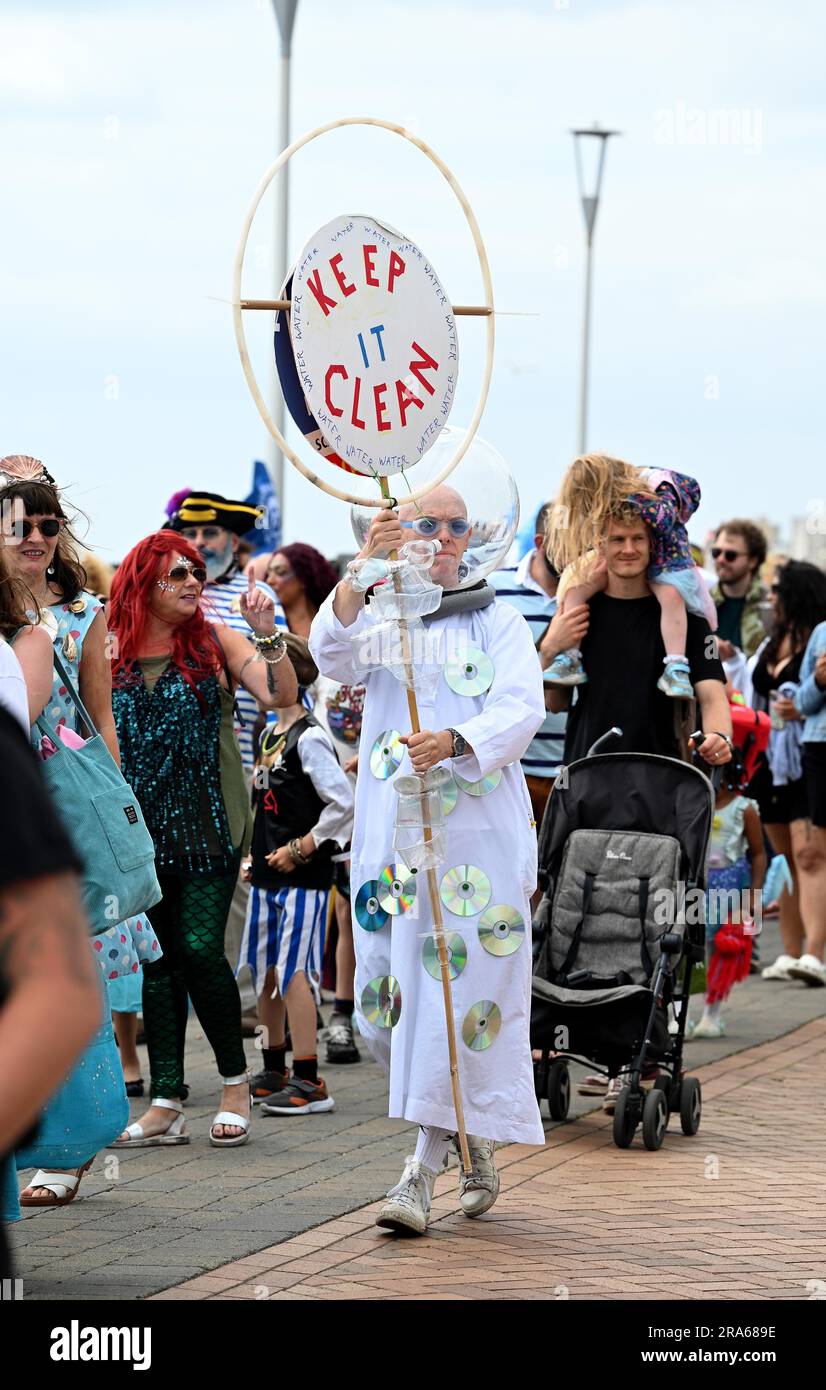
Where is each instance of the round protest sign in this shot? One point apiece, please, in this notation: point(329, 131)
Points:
point(375, 345)
point(294, 398)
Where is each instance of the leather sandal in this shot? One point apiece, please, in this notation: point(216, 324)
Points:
point(174, 1134)
point(62, 1187)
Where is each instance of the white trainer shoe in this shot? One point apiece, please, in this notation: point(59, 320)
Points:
point(478, 1192)
point(809, 969)
point(408, 1208)
point(779, 970)
point(707, 1028)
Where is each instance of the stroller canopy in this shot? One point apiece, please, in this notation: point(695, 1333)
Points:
point(630, 791)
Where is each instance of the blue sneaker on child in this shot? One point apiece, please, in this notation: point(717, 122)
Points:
point(566, 669)
point(675, 681)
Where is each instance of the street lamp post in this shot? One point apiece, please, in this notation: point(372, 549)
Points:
point(590, 203)
point(285, 11)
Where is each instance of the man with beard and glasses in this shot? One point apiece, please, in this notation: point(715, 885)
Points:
point(530, 587)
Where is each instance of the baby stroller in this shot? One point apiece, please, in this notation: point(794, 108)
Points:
point(622, 862)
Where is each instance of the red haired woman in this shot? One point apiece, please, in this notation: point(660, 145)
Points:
point(173, 680)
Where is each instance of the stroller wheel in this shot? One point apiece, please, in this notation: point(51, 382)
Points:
point(691, 1105)
point(559, 1090)
point(654, 1119)
point(626, 1118)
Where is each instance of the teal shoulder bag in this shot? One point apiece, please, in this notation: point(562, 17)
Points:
point(104, 821)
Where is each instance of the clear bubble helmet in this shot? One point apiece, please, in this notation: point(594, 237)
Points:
point(487, 488)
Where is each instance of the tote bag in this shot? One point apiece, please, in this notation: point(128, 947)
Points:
point(103, 819)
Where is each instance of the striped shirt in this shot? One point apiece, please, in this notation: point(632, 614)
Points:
point(518, 587)
point(222, 604)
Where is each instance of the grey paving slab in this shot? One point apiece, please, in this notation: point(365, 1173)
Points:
point(152, 1218)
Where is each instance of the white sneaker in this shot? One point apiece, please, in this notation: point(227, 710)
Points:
point(809, 969)
point(707, 1028)
point(478, 1192)
point(409, 1205)
point(779, 970)
point(609, 1104)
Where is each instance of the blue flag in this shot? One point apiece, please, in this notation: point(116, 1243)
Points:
point(266, 536)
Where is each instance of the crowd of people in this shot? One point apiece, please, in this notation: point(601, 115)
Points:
point(251, 736)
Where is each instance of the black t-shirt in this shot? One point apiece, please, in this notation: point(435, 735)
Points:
point(32, 843)
point(623, 653)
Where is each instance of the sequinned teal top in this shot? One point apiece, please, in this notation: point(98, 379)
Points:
point(180, 755)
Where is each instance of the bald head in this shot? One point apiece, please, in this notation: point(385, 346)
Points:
point(443, 505)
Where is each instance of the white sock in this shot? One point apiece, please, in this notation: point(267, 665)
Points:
point(712, 1011)
point(678, 656)
point(431, 1147)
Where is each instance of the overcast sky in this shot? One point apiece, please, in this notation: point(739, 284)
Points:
point(133, 135)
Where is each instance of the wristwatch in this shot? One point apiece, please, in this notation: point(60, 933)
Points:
point(459, 744)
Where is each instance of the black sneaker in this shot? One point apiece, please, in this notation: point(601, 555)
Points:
point(266, 1084)
point(341, 1046)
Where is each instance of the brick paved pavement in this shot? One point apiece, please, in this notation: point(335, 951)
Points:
point(717, 1216)
point(156, 1218)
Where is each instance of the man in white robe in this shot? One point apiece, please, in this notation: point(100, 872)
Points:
point(479, 728)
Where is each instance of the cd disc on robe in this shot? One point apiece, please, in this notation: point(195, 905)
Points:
point(481, 1026)
point(386, 754)
point(471, 674)
point(381, 1001)
point(465, 890)
point(397, 889)
point(482, 786)
point(501, 930)
point(450, 795)
point(456, 955)
point(369, 912)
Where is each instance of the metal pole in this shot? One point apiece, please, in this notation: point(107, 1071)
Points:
point(285, 11)
point(586, 347)
point(590, 205)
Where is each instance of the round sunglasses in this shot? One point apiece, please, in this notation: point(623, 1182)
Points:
point(49, 527)
point(431, 525)
point(728, 555)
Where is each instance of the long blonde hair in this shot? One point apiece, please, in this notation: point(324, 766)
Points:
point(595, 490)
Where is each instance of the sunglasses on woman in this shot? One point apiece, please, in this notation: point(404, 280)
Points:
point(728, 555)
point(181, 572)
point(49, 527)
point(431, 525)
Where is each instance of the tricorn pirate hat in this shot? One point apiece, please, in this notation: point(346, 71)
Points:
point(198, 508)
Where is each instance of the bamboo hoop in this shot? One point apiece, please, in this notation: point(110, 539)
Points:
point(238, 318)
point(435, 900)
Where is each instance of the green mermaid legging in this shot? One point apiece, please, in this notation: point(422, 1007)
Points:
point(190, 921)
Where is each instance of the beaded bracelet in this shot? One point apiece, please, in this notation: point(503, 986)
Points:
point(271, 649)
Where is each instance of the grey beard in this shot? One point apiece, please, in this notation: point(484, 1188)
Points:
point(217, 565)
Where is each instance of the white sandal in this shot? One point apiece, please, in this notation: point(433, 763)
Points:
point(175, 1134)
point(62, 1186)
point(229, 1117)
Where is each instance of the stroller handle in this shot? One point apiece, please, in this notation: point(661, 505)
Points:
point(715, 773)
point(603, 739)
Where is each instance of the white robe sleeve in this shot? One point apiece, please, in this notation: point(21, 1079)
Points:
point(332, 648)
point(321, 765)
point(515, 705)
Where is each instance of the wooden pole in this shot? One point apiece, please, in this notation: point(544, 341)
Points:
point(435, 900)
point(463, 310)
